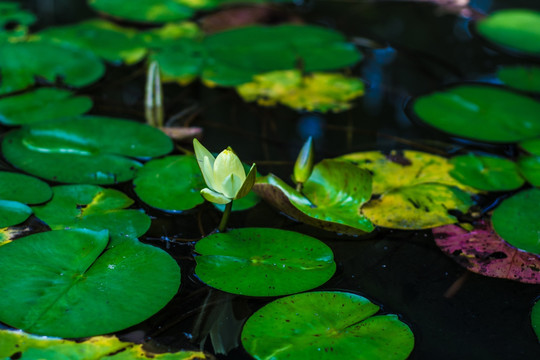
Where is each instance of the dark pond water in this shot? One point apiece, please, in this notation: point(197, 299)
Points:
point(453, 314)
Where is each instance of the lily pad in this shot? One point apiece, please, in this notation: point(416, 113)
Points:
point(487, 173)
point(73, 66)
point(85, 149)
point(168, 34)
point(233, 57)
point(513, 29)
point(525, 78)
point(331, 197)
point(29, 347)
point(263, 262)
point(152, 11)
point(18, 19)
point(13, 213)
point(95, 208)
point(516, 220)
point(23, 188)
point(414, 189)
point(529, 166)
point(535, 319)
point(42, 104)
point(174, 183)
point(49, 291)
point(325, 325)
point(483, 252)
point(105, 39)
point(532, 146)
point(314, 92)
point(17, 190)
point(481, 112)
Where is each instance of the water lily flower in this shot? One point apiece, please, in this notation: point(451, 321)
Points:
point(224, 175)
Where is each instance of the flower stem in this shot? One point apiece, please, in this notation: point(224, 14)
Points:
point(225, 217)
point(299, 187)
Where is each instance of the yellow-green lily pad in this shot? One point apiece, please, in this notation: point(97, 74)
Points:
point(105, 39)
point(414, 189)
point(17, 344)
point(481, 112)
point(525, 78)
point(515, 29)
point(43, 104)
point(70, 283)
point(516, 220)
point(321, 92)
point(49, 61)
point(84, 149)
point(331, 197)
point(264, 262)
point(95, 208)
point(325, 325)
point(487, 173)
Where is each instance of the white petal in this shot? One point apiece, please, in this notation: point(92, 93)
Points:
point(208, 174)
point(201, 153)
point(228, 163)
point(248, 182)
point(214, 197)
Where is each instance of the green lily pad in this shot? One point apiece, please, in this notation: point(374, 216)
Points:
point(414, 189)
point(516, 220)
point(513, 29)
point(314, 92)
point(325, 325)
point(84, 150)
point(73, 66)
point(535, 319)
point(233, 57)
point(49, 291)
point(526, 78)
point(481, 112)
point(95, 208)
point(23, 188)
point(18, 20)
point(331, 197)
point(16, 344)
point(42, 104)
point(13, 213)
point(263, 262)
point(174, 183)
point(105, 39)
point(529, 167)
point(17, 190)
point(532, 146)
point(487, 173)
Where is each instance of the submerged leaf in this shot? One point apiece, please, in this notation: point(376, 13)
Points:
point(325, 325)
point(482, 251)
point(49, 291)
point(331, 198)
point(314, 92)
point(265, 262)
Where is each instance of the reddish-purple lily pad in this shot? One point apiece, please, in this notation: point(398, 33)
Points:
point(482, 251)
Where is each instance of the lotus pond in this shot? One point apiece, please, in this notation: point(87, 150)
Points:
point(228, 179)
